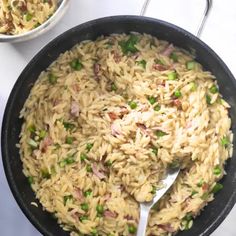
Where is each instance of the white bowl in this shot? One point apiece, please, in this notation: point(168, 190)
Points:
point(48, 24)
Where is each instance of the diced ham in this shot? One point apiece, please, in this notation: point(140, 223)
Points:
point(96, 70)
point(116, 56)
point(205, 187)
point(167, 227)
point(75, 87)
point(168, 50)
point(112, 115)
point(115, 129)
point(123, 111)
point(107, 197)
point(96, 172)
point(78, 194)
point(110, 214)
point(47, 141)
point(177, 103)
point(159, 67)
point(74, 109)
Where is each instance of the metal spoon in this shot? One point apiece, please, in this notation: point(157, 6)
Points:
point(145, 207)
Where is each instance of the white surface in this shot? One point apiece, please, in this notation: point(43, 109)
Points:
point(219, 33)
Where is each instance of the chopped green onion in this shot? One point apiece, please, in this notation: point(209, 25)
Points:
point(217, 187)
point(157, 107)
point(42, 134)
point(142, 63)
point(200, 183)
point(217, 170)
point(193, 86)
point(68, 125)
point(108, 163)
point(154, 189)
point(113, 87)
point(52, 78)
point(89, 168)
point(89, 146)
point(84, 206)
point(194, 192)
point(160, 133)
point(225, 141)
point(30, 180)
point(83, 157)
point(190, 65)
point(132, 229)
point(94, 232)
point(83, 218)
point(69, 140)
point(132, 104)
point(172, 76)
point(32, 143)
point(67, 198)
point(76, 64)
point(152, 100)
point(188, 216)
point(129, 45)
point(155, 150)
point(208, 99)
point(88, 193)
point(177, 94)
point(32, 128)
point(174, 57)
point(45, 174)
point(28, 16)
point(214, 89)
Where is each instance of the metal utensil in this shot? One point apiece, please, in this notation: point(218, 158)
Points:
point(145, 207)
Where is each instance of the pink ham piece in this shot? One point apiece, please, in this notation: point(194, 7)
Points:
point(167, 227)
point(115, 129)
point(112, 115)
point(159, 67)
point(110, 214)
point(96, 172)
point(78, 194)
point(168, 50)
point(74, 109)
point(47, 141)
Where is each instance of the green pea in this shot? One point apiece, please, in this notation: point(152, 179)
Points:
point(157, 107)
point(89, 168)
point(217, 170)
point(190, 65)
point(208, 99)
point(174, 57)
point(52, 78)
point(84, 206)
point(225, 141)
point(83, 157)
point(68, 125)
point(142, 63)
point(133, 104)
point(88, 193)
point(76, 64)
point(69, 140)
point(172, 76)
point(152, 100)
point(132, 229)
point(217, 187)
point(28, 16)
point(100, 209)
point(160, 133)
point(83, 218)
point(177, 94)
point(214, 89)
point(89, 146)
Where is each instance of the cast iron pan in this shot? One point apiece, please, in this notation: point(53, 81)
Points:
point(213, 214)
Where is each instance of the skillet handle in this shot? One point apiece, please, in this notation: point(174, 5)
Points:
point(203, 19)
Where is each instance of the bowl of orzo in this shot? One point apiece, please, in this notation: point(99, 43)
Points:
point(100, 113)
point(22, 20)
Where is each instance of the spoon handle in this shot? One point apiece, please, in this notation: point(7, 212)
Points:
point(143, 220)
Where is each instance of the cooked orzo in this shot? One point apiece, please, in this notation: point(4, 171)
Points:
point(20, 16)
point(104, 122)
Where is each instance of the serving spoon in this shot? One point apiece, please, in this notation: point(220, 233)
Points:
point(145, 207)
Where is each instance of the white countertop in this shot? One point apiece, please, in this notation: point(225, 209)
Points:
point(219, 34)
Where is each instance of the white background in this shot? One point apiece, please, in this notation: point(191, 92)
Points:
point(219, 34)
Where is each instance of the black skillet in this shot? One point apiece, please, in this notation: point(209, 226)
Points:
point(213, 214)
